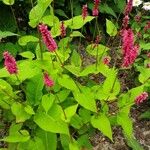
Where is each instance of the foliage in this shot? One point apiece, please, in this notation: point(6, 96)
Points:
point(65, 115)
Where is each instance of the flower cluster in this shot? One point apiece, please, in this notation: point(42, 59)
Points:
point(84, 11)
point(10, 63)
point(96, 9)
point(129, 50)
point(47, 38)
point(142, 97)
point(48, 81)
point(62, 29)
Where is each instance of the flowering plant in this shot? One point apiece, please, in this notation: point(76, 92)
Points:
point(53, 97)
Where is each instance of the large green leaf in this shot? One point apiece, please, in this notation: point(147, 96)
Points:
point(34, 89)
point(102, 123)
point(37, 12)
point(77, 22)
point(47, 123)
point(86, 99)
point(49, 139)
point(111, 28)
point(27, 54)
point(67, 82)
point(24, 40)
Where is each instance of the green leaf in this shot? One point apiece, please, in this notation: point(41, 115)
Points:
point(104, 8)
point(91, 49)
point(144, 74)
point(145, 115)
point(76, 34)
point(21, 136)
point(111, 28)
point(126, 123)
point(86, 99)
point(16, 134)
point(76, 58)
point(73, 69)
point(74, 146)
point(37, 12)
point(77, 22)
point(49, 139)
point(50, 20)
point(63, 94)
point(111, 86)
point(6, 34)
point(47, 123)
point(9, 2)
point(67, 82)
point(19, 112)
point(84, 141)
point(133, 143)
point(60, 12)
point(34, 89)
point(27, 54)
point(47, 101)
point(24, 40)
point(102, 123)
point(145, 46)
point(29, 110)
point(69, 112)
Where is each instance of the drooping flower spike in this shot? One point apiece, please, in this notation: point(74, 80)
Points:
point(47, 38)
point(48, 81)
point(10, 63)
point(141, 98)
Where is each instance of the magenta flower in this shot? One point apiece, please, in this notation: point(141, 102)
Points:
point(47, 38)
point(84, 11)
point(62, 29)
point(10, 63)
point(48, 81)
point(141, 98)
point(129, 50)
point(95, 10)
point(128, 8)
point(106, 60)
point(97, 40)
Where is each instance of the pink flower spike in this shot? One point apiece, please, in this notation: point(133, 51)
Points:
point(48, 81)
point(129, 50)
point(125, 22)
point(141, 98)
point(47, 38)
point(10, 63)
point(62, 29)
point(128, 8)
point(84, 11)
point(95, 10)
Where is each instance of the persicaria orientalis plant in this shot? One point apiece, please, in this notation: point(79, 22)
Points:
point(52, 93)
